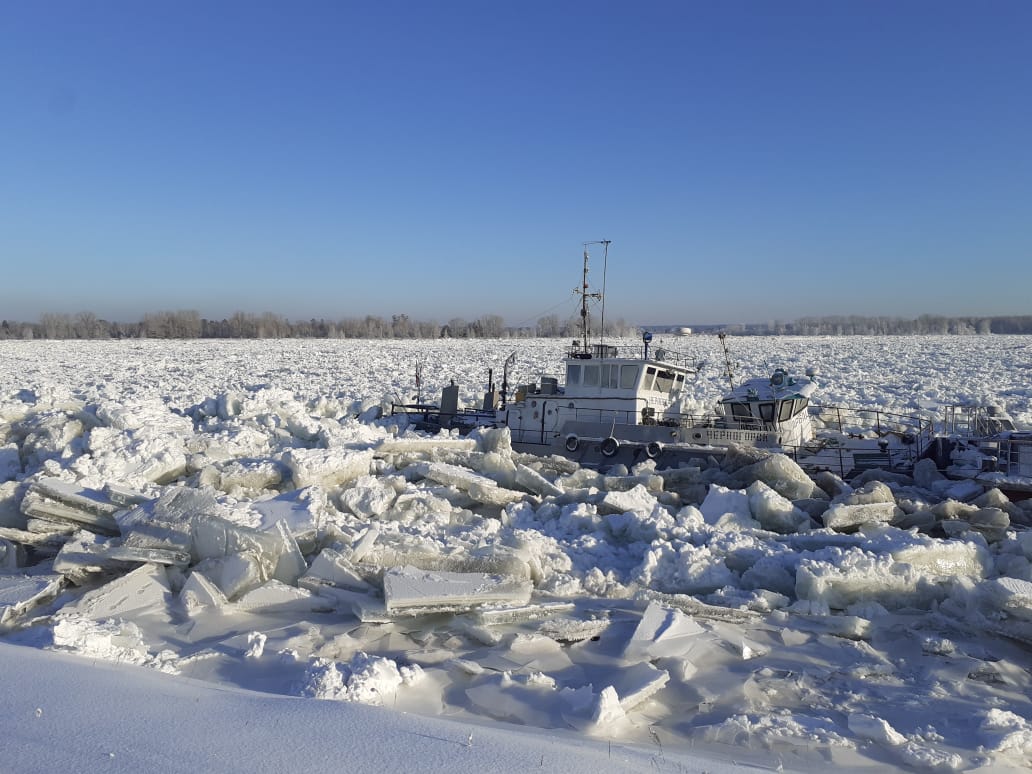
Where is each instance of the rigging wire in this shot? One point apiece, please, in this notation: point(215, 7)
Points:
point(535, 317)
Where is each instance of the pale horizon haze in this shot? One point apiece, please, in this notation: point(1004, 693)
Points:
point(749, 161)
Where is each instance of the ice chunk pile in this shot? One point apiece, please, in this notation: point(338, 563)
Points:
point(311, 547)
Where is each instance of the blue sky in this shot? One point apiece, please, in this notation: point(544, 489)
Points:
point(750, 161)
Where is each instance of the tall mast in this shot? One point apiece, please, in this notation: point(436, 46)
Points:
point(585, 294)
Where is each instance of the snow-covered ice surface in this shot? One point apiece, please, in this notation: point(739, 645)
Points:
point(234, 541)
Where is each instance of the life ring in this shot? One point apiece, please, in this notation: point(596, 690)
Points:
point(572, 442)
point(610, 446)
point(653, 449)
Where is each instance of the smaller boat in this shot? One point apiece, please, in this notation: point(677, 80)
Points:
point(982, 443)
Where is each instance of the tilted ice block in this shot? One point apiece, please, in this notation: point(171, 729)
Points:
point(405, 587)
point(365, 543)
point(636, 684)
point(607, 709)
point(926, 473)
point(161, 467)
point(782, 475)
point(870, 492)
point(493, 560)
point(44, 543)
point(844, 517)
point(199, 592)
point(249, 474)
point(532, 481)
point(494, 615)
point(649, 481)
point(368, 497)
point(328, 468)
point(946, 558)
point(35, 505)
point(479, 487)
point(572, 630)
point(661, 632)
point(676, 478)
point(493, 439)
point(145, 588)
point(124, 496)
point(302, 511)
point(634, 500)
point(364, 607)
point(234, 574)
point(695, 608)
point(1012, 596)
point(874, 728)
point(167, 521)
point(493, 494)
point(921, 576)
point(276, 550)
point(88, 553)
point(331, 567)
point(958, 490)
point(423, 445)
point(53, 498)
point(19, 593)
point(274, 596)
point(727, 507)
point(84, 555)
point(773, 511)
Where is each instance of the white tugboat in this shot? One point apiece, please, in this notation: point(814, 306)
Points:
point(618, 406)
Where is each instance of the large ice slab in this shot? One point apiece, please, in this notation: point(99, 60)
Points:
point(20, 593)
point(62, 501)
point(145, 589)
point(662, 632)
point(410, 587)
point(328, 468)
point(415, 444)
point(477, 486)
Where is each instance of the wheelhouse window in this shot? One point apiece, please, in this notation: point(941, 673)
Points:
point(786, 411)
point(628, 376)
point(610, 375)
point(650, 376)
point(767, 412)
point(800, 405)
point(591, 376)
point(664, 381)
point(741, 411)
point(573, 371)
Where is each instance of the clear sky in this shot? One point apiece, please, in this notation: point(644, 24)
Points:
point(750, 161)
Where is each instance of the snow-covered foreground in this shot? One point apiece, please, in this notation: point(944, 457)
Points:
point(247, 557)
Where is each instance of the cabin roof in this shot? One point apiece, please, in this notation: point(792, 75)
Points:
point(790, 387)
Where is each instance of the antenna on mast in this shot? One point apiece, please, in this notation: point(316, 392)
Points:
point(585, 294)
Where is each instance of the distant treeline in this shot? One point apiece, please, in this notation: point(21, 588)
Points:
point(189, 324)
point(241, 325)
point(885, 326)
